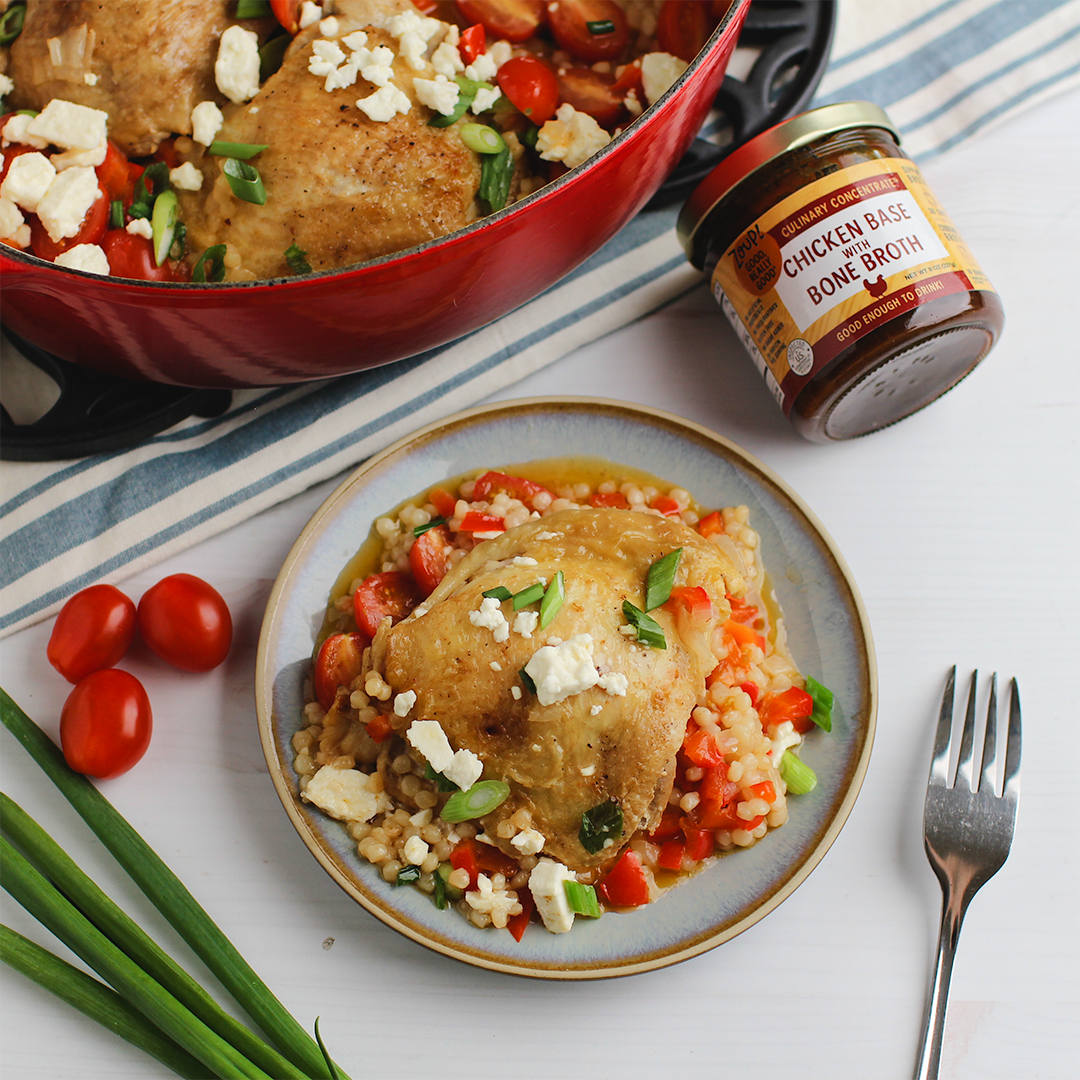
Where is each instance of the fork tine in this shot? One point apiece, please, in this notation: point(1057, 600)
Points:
point(939, 764)
point(967, 739)
point(988, 778)
point(1012, 749)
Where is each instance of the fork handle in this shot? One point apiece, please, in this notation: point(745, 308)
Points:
point(952, 916)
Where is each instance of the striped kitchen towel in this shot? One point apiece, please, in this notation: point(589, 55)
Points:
point(944, 70)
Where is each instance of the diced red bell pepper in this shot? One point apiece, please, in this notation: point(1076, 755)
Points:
point(379, 728)
point(713, 814)
point(765, 790)
point(693, 599)
point(716, 787)
point(474, 521)
point(443, 501)
point(700, 747)
point(752, 691)
point(711, 524)
point(793, 704)
point(492, 861)
point(666, 505)
point(626, 883)
point(700, 843)
point(740, 610)
point(743, 635)
point(472, 43)
point(517, 487)
point(669, 827)
point(464, 857)
point(670, 856)
point(616, 500)
point(516, 923)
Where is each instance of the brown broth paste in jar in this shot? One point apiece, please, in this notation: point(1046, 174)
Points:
point(841, 273)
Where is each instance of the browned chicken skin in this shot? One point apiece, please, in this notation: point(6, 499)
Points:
point(565, 758)
point(153, 61)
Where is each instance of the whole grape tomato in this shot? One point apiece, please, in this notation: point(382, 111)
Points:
point(93, 631)
point(186, 622)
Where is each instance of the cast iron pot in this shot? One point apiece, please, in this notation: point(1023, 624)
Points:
point(287, 330)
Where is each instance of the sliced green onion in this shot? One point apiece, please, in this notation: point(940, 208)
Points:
point(168, 894)
point(582, 899)
point(823, 703)
point(649, 631)
point(11, 23)
point(211, 265)
point(116, 214)
point(600, 824)
point(245, 181)
point(239, 150)
point(52, 861)
point(527, 679)
point(601, 26)
point(496, 172)
point(441, 783)
point(153, 181)
point(179, 244)
point(272, 55)
point(553, 600)
point(407, 875)
point(661, 579)
point(252, 9)
point(297, 260)
point(467, 90)
point(434, 523)
point(528, 596)
point(166, 206)
point(500, 593)
point(95, 1000)
point(480, 799)
point(798, 776)
point(530, 135)
point(481, 138)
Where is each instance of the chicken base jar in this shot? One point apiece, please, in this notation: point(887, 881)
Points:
point(844, 278)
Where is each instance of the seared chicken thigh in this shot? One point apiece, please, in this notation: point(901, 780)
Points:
point(609, 714)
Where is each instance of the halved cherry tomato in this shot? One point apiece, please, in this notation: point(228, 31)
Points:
point(133, 257)
point(793, 704)
point(380, 728)
point(474, 521)
point(667, 506)
point(390, 593)
point(578, 28)
point(337, 663)
point(114, 174)
point(682, 28)
point(517, 487)
point(711, 524)
point(186, 622)
point(166, 152)
point(614, 499)
point(472, 43)
point(105, 724)
point(288, 14)
point(591, 92)
point(92, 631)
point(625, 884)
point(700, 843)
point(630, 79)
point(693, 600)
point(670, 855)
point(428, 558)
point(443, 501)
point(492, 861)
point(516, 923)
point(700, 747)
point(90, 232)
point(515, 20)
point(531, 87)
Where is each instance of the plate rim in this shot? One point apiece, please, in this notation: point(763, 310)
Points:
point(658, 958)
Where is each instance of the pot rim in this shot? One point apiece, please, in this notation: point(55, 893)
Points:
point(630, 134)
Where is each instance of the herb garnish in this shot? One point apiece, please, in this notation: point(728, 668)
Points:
point(600, 824)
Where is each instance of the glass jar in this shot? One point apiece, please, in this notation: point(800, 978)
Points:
point(843, 276)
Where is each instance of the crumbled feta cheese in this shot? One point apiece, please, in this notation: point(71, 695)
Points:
point(63, 207)
point(71, 158)
point(6, 85)
point(485, 99)
point(21, 236)
point(376, 65)
point(482, 68)
point(596, 710)
point(88, 257)
point(356, 40)
point(309, 14)
point(206, 121)
point(412, 48)
point(404, 702)
point(500, 51)
point(515, 692)
point(525, 623)
point(384, 104)
point(784, 738)
point(421, 818)
point(140, 227)
point(15, 131)
point(236, 70)
point(70, 126)
point(464, 770)
point(446, 60)
point(497, 904)
point(494, 665)
point(324, 59)
point(614, 683)
point(345, 794)
point(89, 78)
point(547, 884)
point(559, 671)
point(572, 137)
point(328, 27)
point(415, 850)
point(658, 71)
point(528, 841)
point(10, 218)
point(428, 737)
point(186, 177)
point(490, 616)
point(412, 22)
point(633, 105)
point(439, 93)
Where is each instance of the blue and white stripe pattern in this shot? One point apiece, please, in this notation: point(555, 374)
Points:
point(943, 70)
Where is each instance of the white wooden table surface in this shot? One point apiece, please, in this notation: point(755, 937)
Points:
point(961, 526)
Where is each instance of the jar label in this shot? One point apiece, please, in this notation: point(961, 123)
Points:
point(835, 260)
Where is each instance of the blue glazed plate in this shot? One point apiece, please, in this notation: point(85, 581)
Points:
point(828, 634)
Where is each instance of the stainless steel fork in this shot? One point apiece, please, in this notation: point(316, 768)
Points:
point(967, 830)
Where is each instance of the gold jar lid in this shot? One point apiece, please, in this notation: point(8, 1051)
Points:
point(786, 136)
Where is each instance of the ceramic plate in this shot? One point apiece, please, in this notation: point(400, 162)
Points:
point(827, 629)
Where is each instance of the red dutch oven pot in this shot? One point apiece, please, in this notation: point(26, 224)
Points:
point(289, 330)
